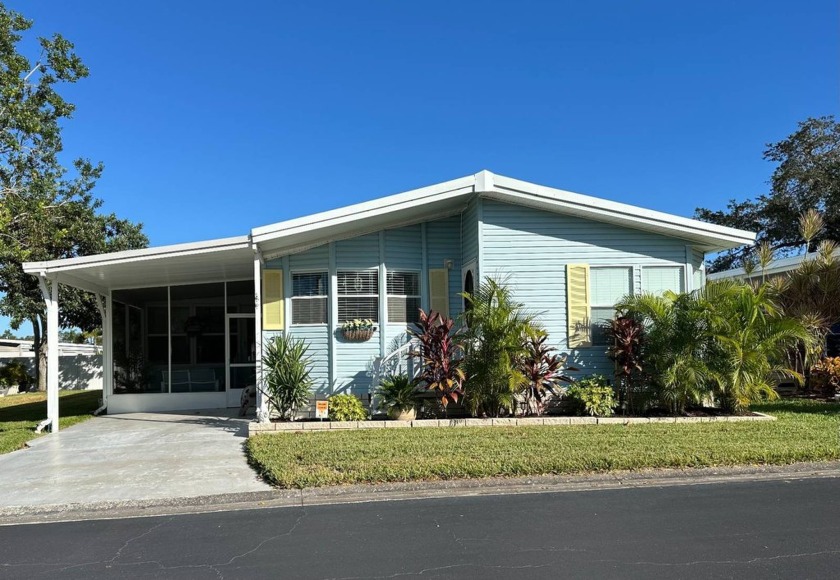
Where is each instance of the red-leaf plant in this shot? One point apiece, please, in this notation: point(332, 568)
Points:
point(441, 358)
point(543, 370)
point(627, 336)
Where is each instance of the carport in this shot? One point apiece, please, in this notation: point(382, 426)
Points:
point(202, 299)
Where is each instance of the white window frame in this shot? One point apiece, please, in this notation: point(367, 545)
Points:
point(632, 291)
point(318, 297)
point(339, 295)
point(388, 296)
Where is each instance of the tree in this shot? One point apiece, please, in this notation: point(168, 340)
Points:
point(493, 342)
point(46, 212)
point(807, 176)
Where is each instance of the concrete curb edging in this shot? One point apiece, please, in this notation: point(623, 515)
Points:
point(304, 426)
point(419, 490)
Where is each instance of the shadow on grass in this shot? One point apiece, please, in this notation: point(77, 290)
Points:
point(801, 406)
point(69, 405)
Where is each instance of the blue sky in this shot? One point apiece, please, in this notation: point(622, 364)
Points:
point(215, 117)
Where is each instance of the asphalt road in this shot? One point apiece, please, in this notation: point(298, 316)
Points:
point(735, 530)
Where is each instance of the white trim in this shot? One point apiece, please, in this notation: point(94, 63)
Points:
point(775, 267)
point(332, 317)
point(262, 402)
point(128, 256)
point(383, 304)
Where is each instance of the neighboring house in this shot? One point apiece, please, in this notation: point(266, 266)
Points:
point(181, 321)
point(80, 365)
point(782, 267)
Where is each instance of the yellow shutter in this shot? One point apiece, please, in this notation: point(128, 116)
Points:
point(439, 291)
point(272, 300)
point(577, 312)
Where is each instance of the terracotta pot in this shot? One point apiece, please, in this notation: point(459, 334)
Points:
point(397, 415)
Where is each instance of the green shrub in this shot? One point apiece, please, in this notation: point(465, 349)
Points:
point(14, 373)
point(397, 393)
point(346, 408)
point(592, 396)
point(286, 368)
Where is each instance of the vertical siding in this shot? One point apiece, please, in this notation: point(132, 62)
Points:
point(443, 242)
point(530, 249)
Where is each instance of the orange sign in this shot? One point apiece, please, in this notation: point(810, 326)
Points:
point(322, 409)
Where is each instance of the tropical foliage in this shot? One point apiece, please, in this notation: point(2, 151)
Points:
point(397, 394)
point(493, 341)
point(825, 376)
point(728, 341)
point(543, 371)
point(592, 396)
point(286, 375)
point(626, 338)
point(346, 407)
point(440, 357)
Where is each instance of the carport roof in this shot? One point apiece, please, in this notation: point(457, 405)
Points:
point(212, 260)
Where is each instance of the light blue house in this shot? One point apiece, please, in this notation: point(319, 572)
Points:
point(181, 321)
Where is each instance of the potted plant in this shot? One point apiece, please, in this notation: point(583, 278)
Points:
point(358, 330)
point(398, 397)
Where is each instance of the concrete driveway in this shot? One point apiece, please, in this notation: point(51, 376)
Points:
point(132, 457)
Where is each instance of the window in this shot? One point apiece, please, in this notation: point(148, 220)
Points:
point(659, 279)
point(358, 295)
point(403, 297)
point(608, 286)
point(309, 298)
point(469, 288)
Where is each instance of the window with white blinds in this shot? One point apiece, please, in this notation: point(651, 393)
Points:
point(658, 279)
point(403, 296)
point(358, 295)
point(309, 298)
point(607, 287)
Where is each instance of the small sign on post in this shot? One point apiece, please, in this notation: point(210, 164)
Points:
point(322, 409)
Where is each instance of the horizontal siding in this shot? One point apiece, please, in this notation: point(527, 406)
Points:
point(317, 259)
point(361, 252)
point(469, 232)
point(317, 339)
point(404, 249)
point(530, 248)
point(353, 364)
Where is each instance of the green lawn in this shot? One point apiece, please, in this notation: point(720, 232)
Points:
point(20, 414)
point(805, 431)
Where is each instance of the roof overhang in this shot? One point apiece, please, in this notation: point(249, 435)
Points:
point(209, 261)
point(232, 258)
point(452, 197)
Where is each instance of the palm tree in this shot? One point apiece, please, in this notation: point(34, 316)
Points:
point(753, 338)
point(492, 340)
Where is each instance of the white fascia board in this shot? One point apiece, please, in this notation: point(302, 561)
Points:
point(402, 201)
point(633, 216)
point(128, 256)
point(775, 267)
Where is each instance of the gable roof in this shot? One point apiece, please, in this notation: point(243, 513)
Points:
point(451, 197)
point(233, 258)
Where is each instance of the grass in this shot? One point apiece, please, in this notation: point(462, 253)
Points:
point(804, 431)
point(20, 414)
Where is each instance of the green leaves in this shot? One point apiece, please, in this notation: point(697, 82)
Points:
point(807, 177)
point(286, 374)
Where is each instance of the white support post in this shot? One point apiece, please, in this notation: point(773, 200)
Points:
point(49, 290)
point(262, 402)
point(104, 314)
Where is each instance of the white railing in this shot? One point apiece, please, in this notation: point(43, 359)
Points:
point(397, 362)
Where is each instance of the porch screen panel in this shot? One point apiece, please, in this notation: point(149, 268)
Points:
point(358, 295)
point(197, 326)
point(140, 340)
